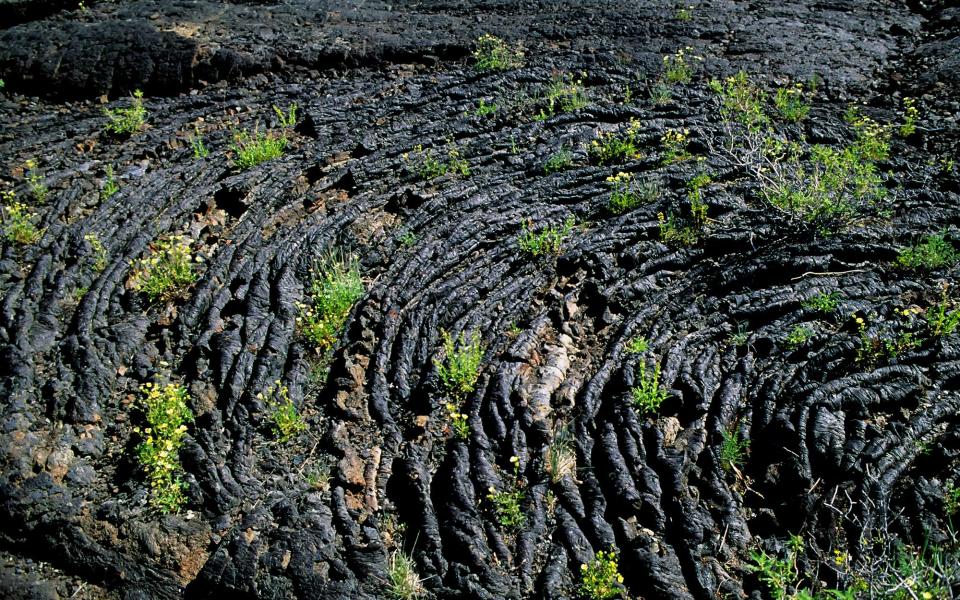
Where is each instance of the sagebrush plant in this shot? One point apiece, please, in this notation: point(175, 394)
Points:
point(507, 503)
point(648, 393)
point(459, 369)
point(110, 185)
point(494, 54)
point(600, 578)
point(251, 149)
point(403, 581)
point(678, 67)
point(609, 147)
point(19, 222)
point(548, 240)
point(733, 449)
point(933, 252)
point(167, 271)
point(429, 167)
point(125, 121)
point(335, 286)
point(166, 411)
point(99, 251)
point(286, 422)
point(35, 181)
point(561, 459)
point(790, 103)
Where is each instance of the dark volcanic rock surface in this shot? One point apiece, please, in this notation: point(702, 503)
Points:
point(839, 443)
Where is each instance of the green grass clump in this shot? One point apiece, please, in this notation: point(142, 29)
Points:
point(558, 162)
point(609, 147)
point(286, 421)
point(459, 369)
point(19, 222)
point(166, 272)
point(167, 414)
point(823, 302)
point(733, 450)
point(561, 456)
point(546, 241)
point(252, 149)
point(600, 578)
point(403, 582)
point(494, 54)
point(125, 121)
point(648, 394)
point(933, 252)
point(563, 95)
point(335, 287)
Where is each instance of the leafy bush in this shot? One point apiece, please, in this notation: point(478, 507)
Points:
point(167, 272)
point(35, 181)
point(125, 121)
point(459, 369)
point(110, 185)
point(933, 252)
point(494, 54)
point(678, 68)
point(558, 162)
point(675, 146)
point(741, 101)
point(942, 318)
point(335, 287)
point(458, 421)
point(166, 412)
point(599, 578)
point(823, 302)
point(648, 394)
point(798, 336)
point(790, 104)
point(637, 345)
point(563, 95)
point(19, 224)
point(627, 194)
point(507, 503)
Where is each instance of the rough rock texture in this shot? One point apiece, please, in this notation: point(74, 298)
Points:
point(836, 444)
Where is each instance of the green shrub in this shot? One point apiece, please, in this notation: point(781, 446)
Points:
point(19, 222)
point(428, 167)
point(459, 369)
point(458, 421)
point(910, 116)
point(674, 233)
point(637, 345)
point(494, 54)
point(741, 101)
point(110, 185)
point(685, 13)
point(675, 146)
point(196, 143)
point(287, 119)
point(335, 286)
point(648, 394)
point(599, 578)
point(798, 336)
point(823, 302)
point(252, 149)
point(609, 147)
point(558, 162)
point(942, 318)
point(627, 195)
point(933, 252)
point(484, 109)
point(167, 272)
point(790, 104)
point(286, 421)
point(563, 95)
point(167, 414)
point(779, 574)
point(125, 121)
point(546, 241)
point(99, 252)
point(35, 181)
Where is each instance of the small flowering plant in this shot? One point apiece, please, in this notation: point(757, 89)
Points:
point(167, 272)
point(675, 146)
point(678, 67)
point(600, 579)
point(458, 421)
point(286, 421)
point(167, 414)
point(506, 503)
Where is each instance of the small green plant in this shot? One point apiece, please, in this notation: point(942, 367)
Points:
point(494, 54)
point(403, 582)
point(35, 181)
point(166, 412)
point(872, 141)
point(428, 167)
point(910, 116)
point(126, 121)
point(286, 421)
point(334, 288)
point(637, 345)
point(561, 456)
point(458, 421)
point(823, 302)
point(741, 101)
point(558, 161)
point(251, 149)
point(407, 239)
point(678, 68)
point(626, 194)
point(287, 119)
point(196, 143)
point(167, 272)
point(319, 477)
point(798, 336)
point(733, 450)
point(110, 185)
point(507, 503)
point(779, 574)
point(99, 252)
point(563, 95)
point(660, 93)
point(739, 337)
point(941, 320)
point(933, 252)
point(790, 103)
point(648, 394)
point(698, 206)
point(675, 146)
point(951, 499)
point(19, 222)
point(609, 147)
point(484, 109)
point(673, 233)
point(600, 578)
point(684, 13)
point(546, 241)
point(459, 369)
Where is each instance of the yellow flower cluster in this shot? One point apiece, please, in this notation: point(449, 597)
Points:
point(166, 412)
point(167, 271)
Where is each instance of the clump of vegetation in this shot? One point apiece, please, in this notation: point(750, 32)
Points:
point(790, 103)
point(910, 116)
point(334, 288)
point(286, 422)
point(951, 499)
point(251, 149)
point(19, 222)
point(506, 504)
point(626, 194)
point(196, 143)
point(685, 13)
point(674, 233)
point(458, 421)
point(35, 181)
point(942, 318)
point(660, 93)
point(110, 185)
point(167, 414)
point(428, 167)
point(798, 336)
point(561, 456)
point(675, 146)
point(698, 206)
point(563, 95)
point(407, 239)
point(494, 54)
point(637, 345)
point(733, 450)
point(546, 241)
point(126, 121)
point(459, 369)
point(558, 161)
point(484, 109)
point(99, 252)
point(933, 252)
point(779, 574)
point(678, 67)
point(739, 337)
point(287, 119)
point(167, 272)
point(823, 302)
point(600, 578)
point(609, 147)
point(403, 581)
point(741, 101)
point(648, 393)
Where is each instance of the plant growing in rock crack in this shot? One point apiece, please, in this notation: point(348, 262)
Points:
point(459, 369)
point(660, 93)
point(167, 271)
point(403, 581)
point(166, 413)
point(674, 232)
point(678, 67)
point(334, 288)
point(637, 345)
point(483, 109)
point(458, 421)
point(428, 167)
point(251, 149)
point(733, 450)
point(675, 146)
point(798, 336)
point(951, 499)
point(19, 222)
point(561, 459)
point(38, 188)
point(823, 302)
point(507, 509)
point(558, 162)
point(319, 477)
point(99, 252)
point(910, 116)
point(684, 13)
point(286, 422)
point(648, 393)
point(789, 102)
point(943, 318)
point(627, 194)
point(197, 145)
point(933, 252)
point(287, 119)
point(609, 147)
point(126, 121)
point(698, 206)
point(564, 94)
point(738, 337)
point(741, 101)
point(600, 578)
point(779, 574)
point(110, 185)
point(494, 54)
point(548, 240)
